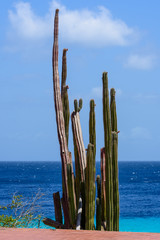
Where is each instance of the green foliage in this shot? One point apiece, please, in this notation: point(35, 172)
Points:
point(21, 213)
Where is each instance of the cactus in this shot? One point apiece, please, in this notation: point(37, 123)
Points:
point(103, 187)
point(80, 158)
point(107, 202)
point(72, 205)
point(98, 204)
point(60, 119)
point(89, 189)
point(92, 127)
point(80, 104)
point(78, 223)
point(75, 105)
point(108, 153)
point(64, 94)
point(113, 110)
point(114, 160)
point(98, 214)
point(57, 207)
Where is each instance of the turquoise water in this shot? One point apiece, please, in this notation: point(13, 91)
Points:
point(151, 225)
point(139, 187)
point(140, 225)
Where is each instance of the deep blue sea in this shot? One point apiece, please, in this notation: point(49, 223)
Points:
point(139, 186)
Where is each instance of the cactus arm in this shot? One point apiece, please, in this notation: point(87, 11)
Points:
point(98, 204)
point(71, 196)
point(64, 94)
point(108, 153)
point(90, 189)
point(114, 160)
point(103, 187)
point(92, 127)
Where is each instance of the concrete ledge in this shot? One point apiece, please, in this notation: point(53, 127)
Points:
point(49, 234)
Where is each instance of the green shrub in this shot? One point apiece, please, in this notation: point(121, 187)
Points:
point(21, 212)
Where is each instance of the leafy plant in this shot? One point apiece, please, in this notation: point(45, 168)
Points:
point(21, 212)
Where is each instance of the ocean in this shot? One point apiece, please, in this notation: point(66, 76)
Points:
point(139, 187)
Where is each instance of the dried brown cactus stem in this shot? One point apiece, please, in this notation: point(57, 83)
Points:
point(59, 117)
point(77, 132)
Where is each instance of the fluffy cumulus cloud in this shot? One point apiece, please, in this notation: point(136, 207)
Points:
point(140, 133)
point(26, 24)
point(142, 62)
point(97, 28)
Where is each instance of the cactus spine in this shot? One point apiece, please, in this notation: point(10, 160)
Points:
point(90, 189)
point(114, 160)
point(108, 153)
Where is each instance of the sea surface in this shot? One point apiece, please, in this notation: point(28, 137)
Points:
point(139, 186)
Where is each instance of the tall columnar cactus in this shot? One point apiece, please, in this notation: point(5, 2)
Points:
point(78, 139)
point(80, 157)
point(79, 210)
point(113, 110)
point(64, 94)
point(98, 204)
point(92, 127)
point(60, 120)
point(114, 160)
point(108, 153)
point(90, 189)
point(72, 205)
point(103, 187)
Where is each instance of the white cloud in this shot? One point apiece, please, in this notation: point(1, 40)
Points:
point(98, 28)
point(140, 133)
point(142, 62)
point(26, 24)
point(97, 92)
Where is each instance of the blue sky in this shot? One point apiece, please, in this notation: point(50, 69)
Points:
point(120, 37)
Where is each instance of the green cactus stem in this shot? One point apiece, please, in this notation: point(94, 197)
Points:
point(114, 160)
point(103, 187)
point(89, 190)
point(113, 110)
point(98, 214)
point(71, 196)
point(75, 105)
point(92, 127)
point(108, 153)
point(115, 181)
point(98, 204)
point(80, 104)
point(64, 70)
point(64, 94)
